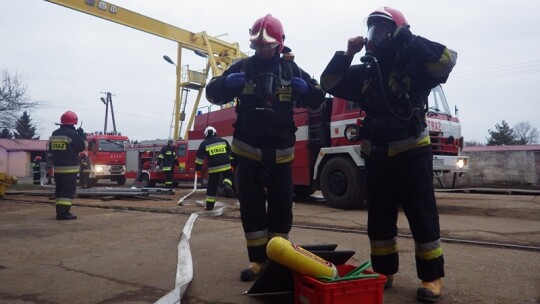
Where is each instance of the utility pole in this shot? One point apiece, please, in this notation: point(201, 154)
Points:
point(106, 102)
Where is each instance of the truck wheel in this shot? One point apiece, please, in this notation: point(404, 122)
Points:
point(121, 180)
point(303, 191)
point(145, 179)
point(341, 184)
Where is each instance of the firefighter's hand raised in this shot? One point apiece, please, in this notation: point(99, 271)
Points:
point(235, 80)
point(80, 131)
point(355, 45)
point(299, 85)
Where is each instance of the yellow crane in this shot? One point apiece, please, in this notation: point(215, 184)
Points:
point(220, 54)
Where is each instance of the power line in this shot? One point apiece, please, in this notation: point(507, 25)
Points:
point(502, 71)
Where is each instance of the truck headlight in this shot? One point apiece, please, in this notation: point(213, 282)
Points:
point(99, 169)
point(352, 133)
point(460, 163)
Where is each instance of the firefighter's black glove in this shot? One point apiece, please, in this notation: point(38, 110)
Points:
point(235, 80)
point(402, 37)
point(80, 131)
point(299, 85)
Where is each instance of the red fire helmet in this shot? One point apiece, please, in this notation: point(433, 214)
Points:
point(267, 30)
point(68, 118)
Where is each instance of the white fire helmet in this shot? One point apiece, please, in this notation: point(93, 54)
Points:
point(210, 131)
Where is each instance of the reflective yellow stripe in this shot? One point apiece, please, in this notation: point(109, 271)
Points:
point(66, 169)
point(382, 251)
point(211, 199)
point(219, 169)
point(257, 242)
point(426, 141)
point(444, 66)
point(429, 255)
point(63, 202)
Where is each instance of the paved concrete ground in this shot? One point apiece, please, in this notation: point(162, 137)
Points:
point(126, 251)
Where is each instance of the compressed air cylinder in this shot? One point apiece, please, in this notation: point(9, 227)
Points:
point(298, 259)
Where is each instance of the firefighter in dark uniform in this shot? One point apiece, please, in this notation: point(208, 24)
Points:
point(85, 164)
point(217, 151)
point(267, 85)
point(65, 144)
point(36, 170)
point(392, 86)
point(167, 161)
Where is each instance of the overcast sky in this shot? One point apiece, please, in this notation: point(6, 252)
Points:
point(67, 58)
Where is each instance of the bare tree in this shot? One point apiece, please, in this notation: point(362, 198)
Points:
point(525, 133)
point(13, 99)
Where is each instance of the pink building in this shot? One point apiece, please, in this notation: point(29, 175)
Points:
point(16, 155)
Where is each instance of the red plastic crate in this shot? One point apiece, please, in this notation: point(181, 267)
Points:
point(309, 290)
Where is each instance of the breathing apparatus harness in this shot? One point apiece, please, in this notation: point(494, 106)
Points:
point(370, 62)
point(266, 85)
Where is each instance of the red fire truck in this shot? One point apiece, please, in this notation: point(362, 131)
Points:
point(325, 159)
point(142, 162)
point(108, 155)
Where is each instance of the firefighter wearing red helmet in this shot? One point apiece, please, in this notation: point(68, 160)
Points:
point(392, 85)
point(36, 170)
point(267, 86)
point(65, 144)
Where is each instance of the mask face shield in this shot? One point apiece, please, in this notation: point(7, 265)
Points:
point(265, 51)
point(380, 35)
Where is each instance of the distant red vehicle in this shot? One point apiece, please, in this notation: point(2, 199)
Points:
point(142, 162)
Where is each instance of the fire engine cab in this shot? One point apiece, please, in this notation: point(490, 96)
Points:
point(108, 155)
point(327, 156)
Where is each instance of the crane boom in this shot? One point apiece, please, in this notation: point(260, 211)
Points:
point(221, 54)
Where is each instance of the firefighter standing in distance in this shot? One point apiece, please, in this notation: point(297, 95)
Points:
point(217, 150)
point(66, 143)
point(392, 86)
point(85, 169)
point(267, 86)
point(167, 161)
point(36, 170)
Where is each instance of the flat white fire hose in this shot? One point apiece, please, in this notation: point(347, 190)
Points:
point(184, 268)
point(181, 201)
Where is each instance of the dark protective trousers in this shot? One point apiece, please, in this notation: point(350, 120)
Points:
point(407, 183)
point(213, 184)
point(66, 187)
point(257, 185)
point(169, 178)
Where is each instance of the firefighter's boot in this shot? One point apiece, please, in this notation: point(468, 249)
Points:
point(389, 281)
point(252, 272)
point(63, 214)
point(229, 191)
point(209, 205)
point(429, 292)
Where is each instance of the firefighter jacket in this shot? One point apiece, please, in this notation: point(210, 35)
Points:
point(85, 164)
point(36, 167)
point(167, 158)
point(393, 93)
point(66, 144)
point(217, 151)
point(264, 129)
